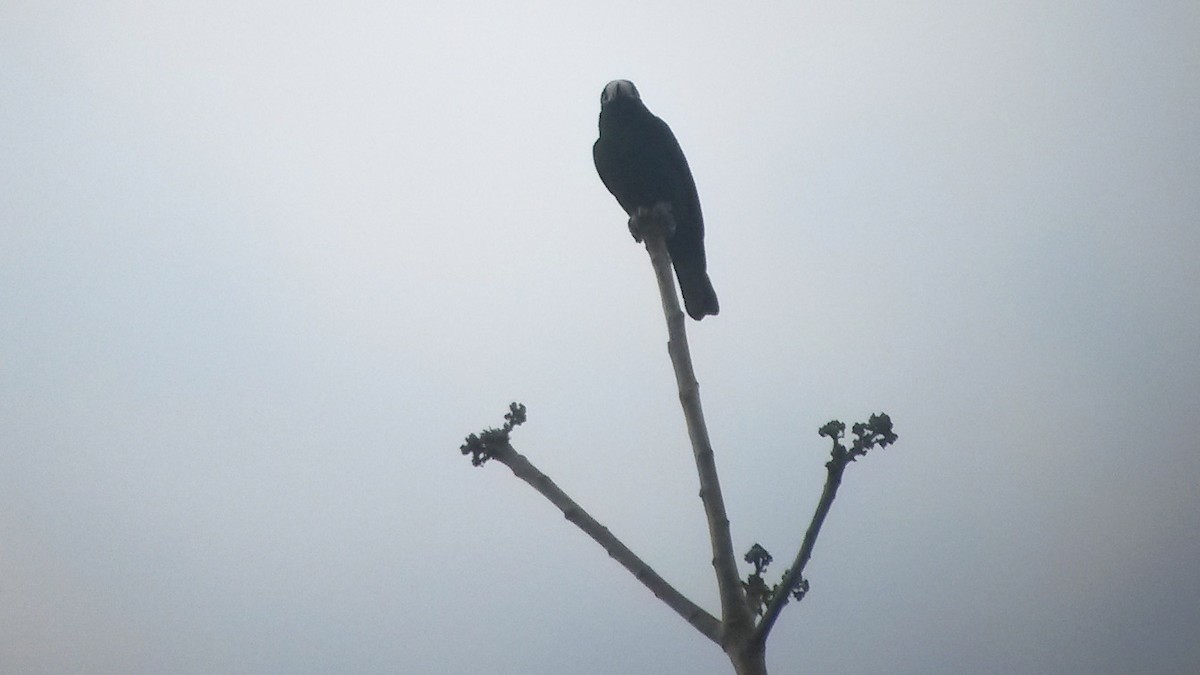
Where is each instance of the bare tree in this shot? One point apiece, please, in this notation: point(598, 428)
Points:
point(750, 608)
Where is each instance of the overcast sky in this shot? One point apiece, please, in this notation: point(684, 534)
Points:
point(262, 266)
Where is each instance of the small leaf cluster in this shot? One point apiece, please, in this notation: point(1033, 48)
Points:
point(484, 445)
point(758, 594)
point(875, 432)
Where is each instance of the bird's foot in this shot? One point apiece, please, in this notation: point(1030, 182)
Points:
point(652, 219)
point(635, 224)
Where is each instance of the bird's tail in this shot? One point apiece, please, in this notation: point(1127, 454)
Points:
point(698, 295)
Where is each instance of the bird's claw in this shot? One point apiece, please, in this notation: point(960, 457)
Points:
point(657, 218)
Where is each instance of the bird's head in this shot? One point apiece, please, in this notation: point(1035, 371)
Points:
point(618, 89)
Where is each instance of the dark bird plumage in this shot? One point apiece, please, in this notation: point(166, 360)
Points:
point(641, 164)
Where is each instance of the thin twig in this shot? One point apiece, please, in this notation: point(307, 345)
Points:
point(795, 572)
point(875, 432)
point(701, 620)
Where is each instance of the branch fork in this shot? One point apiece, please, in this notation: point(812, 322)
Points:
point(742, 602)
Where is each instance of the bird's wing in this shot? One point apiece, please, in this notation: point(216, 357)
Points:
point(614, 177)
point(677, 176)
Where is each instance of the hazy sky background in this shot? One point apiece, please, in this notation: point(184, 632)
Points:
point(262, 266)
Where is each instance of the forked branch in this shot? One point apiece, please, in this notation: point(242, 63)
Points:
point(736, 632)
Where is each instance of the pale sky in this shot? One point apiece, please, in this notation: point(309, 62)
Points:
point(262, 267)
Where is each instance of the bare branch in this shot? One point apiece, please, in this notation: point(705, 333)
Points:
point(494, 444)
point(737, 620)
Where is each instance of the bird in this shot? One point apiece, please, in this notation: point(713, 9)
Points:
point(642, 165)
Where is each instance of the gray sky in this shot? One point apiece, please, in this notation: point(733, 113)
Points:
point(262, 268)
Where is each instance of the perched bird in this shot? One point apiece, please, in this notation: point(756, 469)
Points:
point(641, 164)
